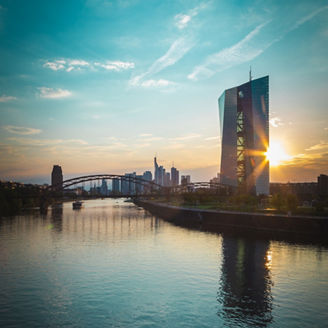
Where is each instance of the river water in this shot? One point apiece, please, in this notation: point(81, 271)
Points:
point(112, 264)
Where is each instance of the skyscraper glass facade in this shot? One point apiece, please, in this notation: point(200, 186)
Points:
point(244, 131)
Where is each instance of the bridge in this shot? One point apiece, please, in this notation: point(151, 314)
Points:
point(136, 185)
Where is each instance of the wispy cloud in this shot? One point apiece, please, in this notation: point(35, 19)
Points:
point(79, 64)
point(5, 98)
point(157, 83)
point(243, 51)
point(46, 142)
point(55, 65)
point(308, 17)
point(115, 65)
point(276, 122)
point(212, 138)
point(21, 130)
point(54, 93)
point(320, 146)
point(176, 51)
point(187, 137)
point(145, 135)
point(250, 47)
point(182, 20)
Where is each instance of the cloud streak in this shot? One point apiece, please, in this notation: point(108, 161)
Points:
point(250, 47)
point(243, 51)
point(5, 98)
point(46, 142)
point(176, 51)
point(21, 130)
point(69, 65)
point(182, 20)
point(51, 93)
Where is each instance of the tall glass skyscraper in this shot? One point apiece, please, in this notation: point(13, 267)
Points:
point(244, 131)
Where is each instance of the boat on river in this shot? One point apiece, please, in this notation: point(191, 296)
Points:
point(77, 205)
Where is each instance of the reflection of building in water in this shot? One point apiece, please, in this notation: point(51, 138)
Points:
point(245, 286)
point(112, 222)
point(57, 217)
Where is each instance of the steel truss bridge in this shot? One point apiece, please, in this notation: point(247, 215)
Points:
point(145, 186)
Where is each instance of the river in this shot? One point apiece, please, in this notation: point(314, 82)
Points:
point(112, 264)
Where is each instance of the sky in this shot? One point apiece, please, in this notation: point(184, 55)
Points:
point(100, 86)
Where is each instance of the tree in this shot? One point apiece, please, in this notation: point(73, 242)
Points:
point(291, 202)
point(278, 201)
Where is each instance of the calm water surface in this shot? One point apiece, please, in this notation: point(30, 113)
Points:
point(111, 264)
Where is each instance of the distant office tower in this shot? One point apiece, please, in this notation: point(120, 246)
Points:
point(147, 176)
point(104, 188)
point(128, 185)
point(244, 130)
point(167, 179)
point(116, 186)
point(174, 176)
point(57, 177)
point(156, 171)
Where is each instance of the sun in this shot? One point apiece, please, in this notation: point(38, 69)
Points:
point(276, 154)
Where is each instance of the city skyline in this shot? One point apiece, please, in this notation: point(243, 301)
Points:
point(98, 86)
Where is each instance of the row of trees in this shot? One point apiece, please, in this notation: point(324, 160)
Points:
point(14, 197)
point(279, 202)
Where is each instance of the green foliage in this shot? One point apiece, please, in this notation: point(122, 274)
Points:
point(291, 202)
point(278, 201)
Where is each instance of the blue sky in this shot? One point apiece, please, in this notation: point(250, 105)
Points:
point(101, 86)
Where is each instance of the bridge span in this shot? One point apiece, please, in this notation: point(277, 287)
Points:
point(144, 186)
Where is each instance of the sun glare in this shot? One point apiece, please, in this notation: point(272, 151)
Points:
point(276, 154)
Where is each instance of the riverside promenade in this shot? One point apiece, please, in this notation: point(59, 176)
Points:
point(216, 220)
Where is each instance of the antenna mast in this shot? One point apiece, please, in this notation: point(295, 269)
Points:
point(250, 73)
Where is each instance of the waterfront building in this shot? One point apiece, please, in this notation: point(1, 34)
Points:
point(174, 176)
point(304, 191)
point(323, 185)
point(244, 131)
point(57, 177)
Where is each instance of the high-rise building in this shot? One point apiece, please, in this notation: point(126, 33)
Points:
point(167, 179)
point(244, 130)
point(174, 176)
point(116, 186)
point(104, 188)
point(147, 176)
point(156, 171)
point(323, 185)
point(128, 185)
point(57, 177)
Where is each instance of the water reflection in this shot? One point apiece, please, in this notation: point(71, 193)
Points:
point(57, 217)
point(100, 221)
point(245, 285)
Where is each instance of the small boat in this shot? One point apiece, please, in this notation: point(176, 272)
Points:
point(77, 205)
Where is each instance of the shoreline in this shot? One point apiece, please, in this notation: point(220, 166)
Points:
point(217, 221)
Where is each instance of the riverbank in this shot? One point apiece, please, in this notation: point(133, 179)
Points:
point(214, 220)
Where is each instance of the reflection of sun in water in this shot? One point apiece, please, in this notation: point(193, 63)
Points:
point(276, 154)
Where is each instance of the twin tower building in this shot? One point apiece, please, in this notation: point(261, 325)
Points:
point(244, 132)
